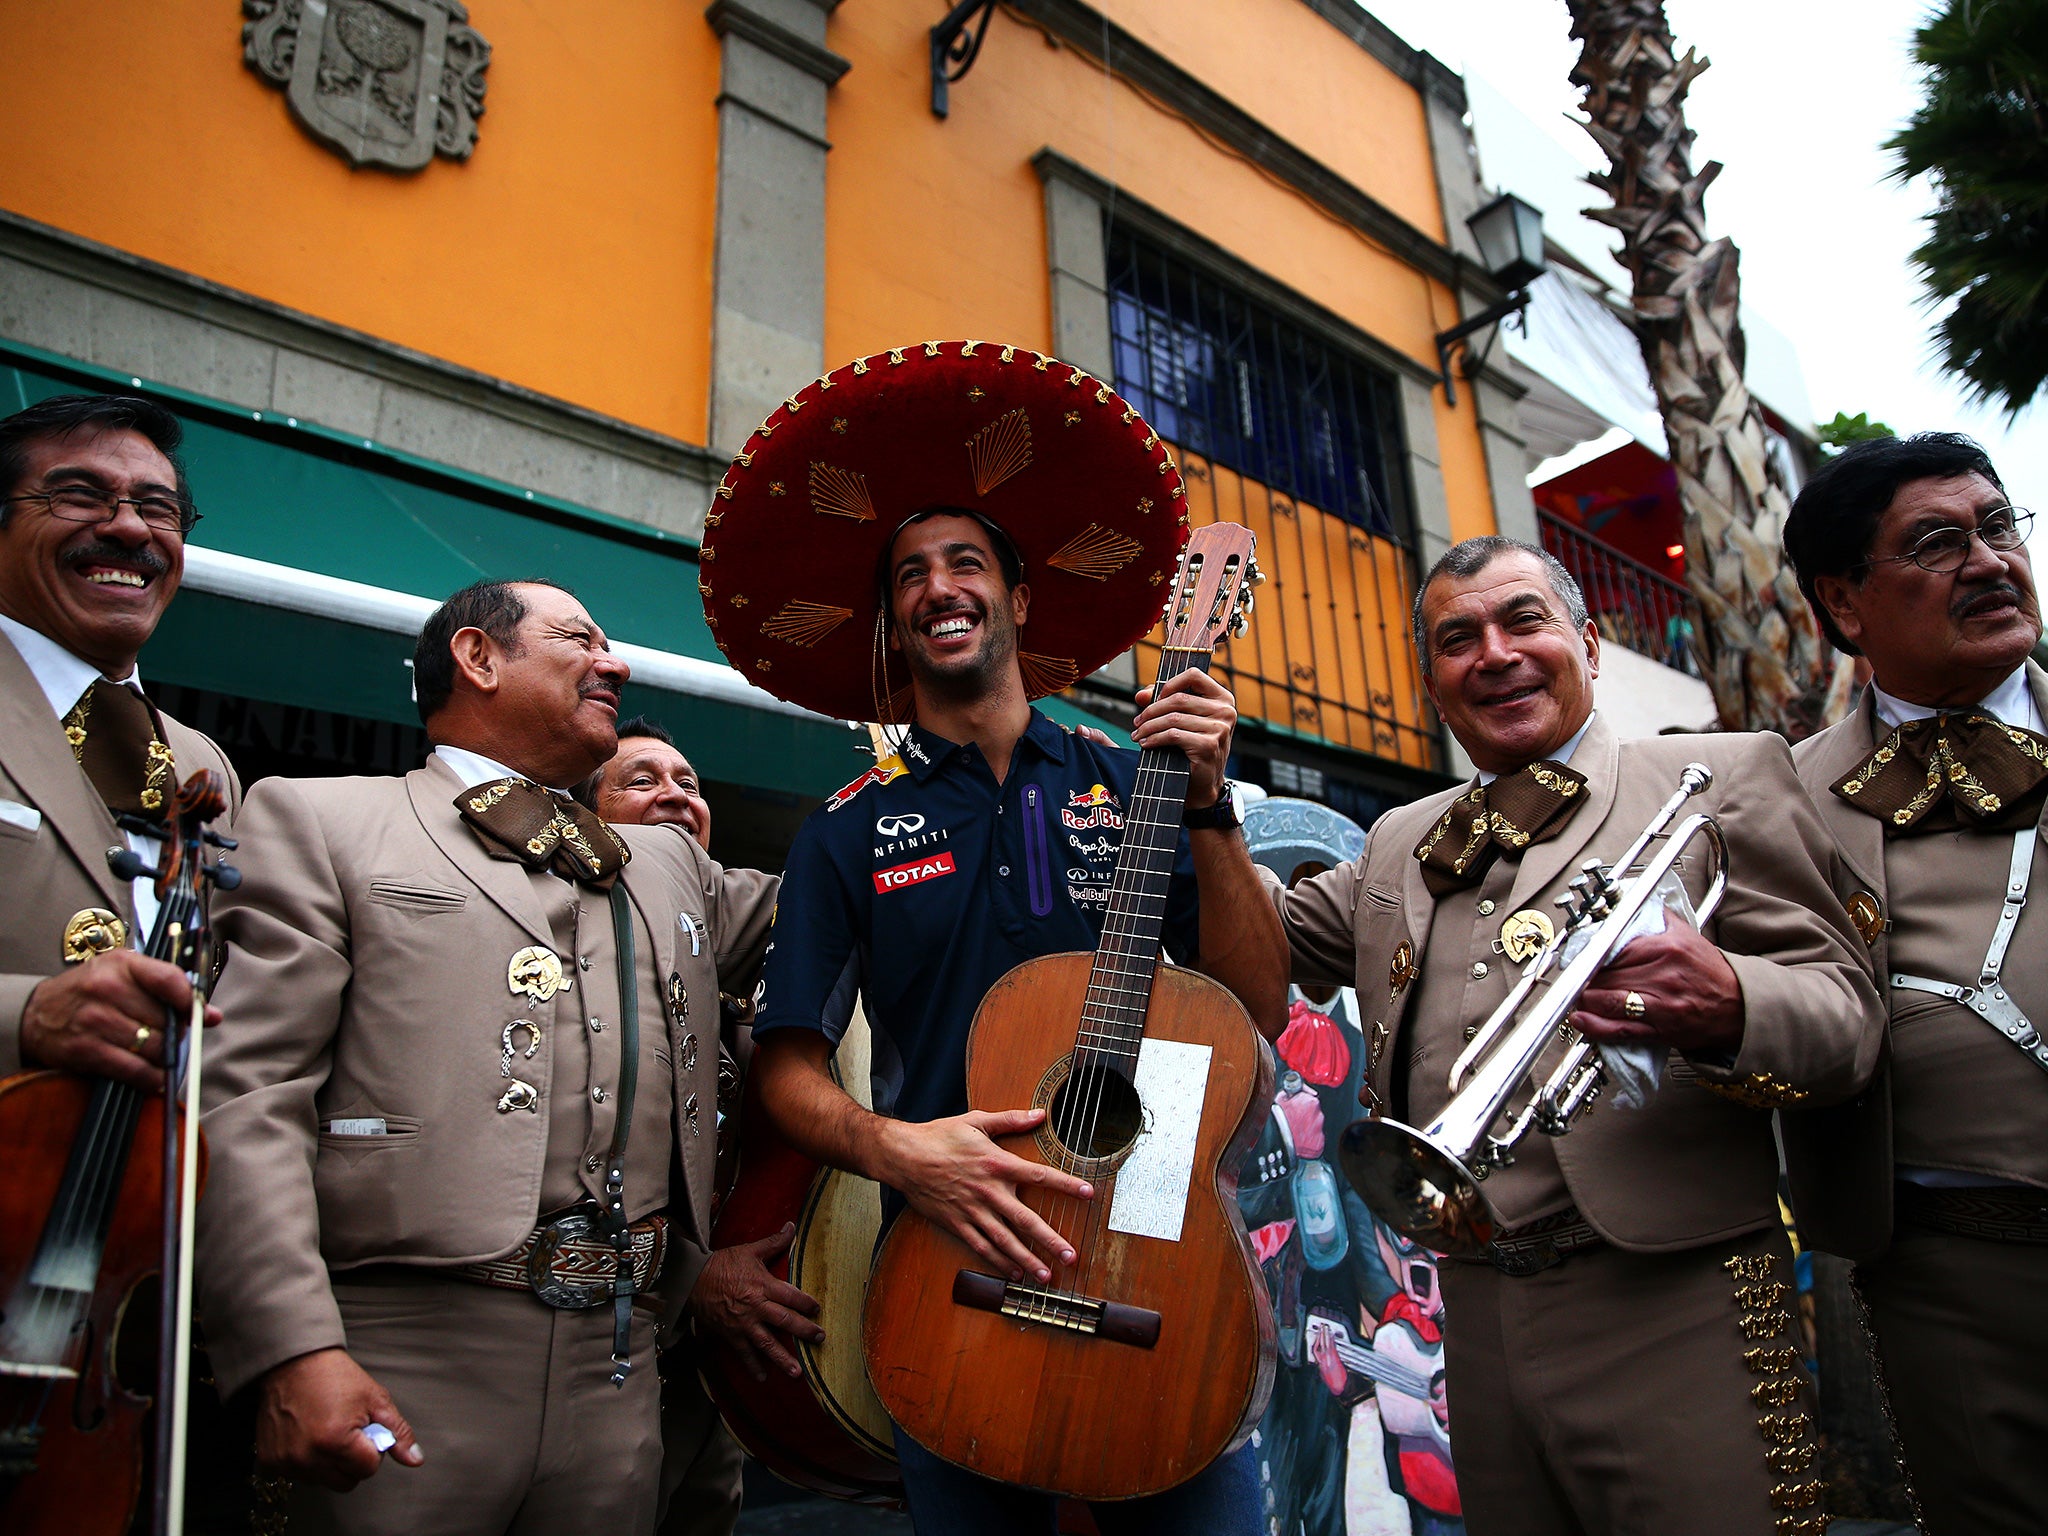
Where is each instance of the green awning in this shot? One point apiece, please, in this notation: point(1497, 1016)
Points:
point(312, 500)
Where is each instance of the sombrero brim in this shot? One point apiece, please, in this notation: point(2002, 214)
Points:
point(1055, 458)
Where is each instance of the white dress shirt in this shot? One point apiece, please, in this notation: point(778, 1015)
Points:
point(1563, 755)
point(64, 679)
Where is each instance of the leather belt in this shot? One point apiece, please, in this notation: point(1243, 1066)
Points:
point(2000, 1214)
point(568, 1261)
point(1540, 1244)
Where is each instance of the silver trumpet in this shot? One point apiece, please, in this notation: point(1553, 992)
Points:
point(1425, 1183)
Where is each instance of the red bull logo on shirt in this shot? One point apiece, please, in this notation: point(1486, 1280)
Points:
point(1092, 807)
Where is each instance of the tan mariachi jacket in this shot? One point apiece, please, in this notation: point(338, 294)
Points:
point(1694, 1166)
point(1945, 1066)
point(369, 978)
point(54, 836)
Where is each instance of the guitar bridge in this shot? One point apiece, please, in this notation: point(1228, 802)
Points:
point(1068, 1310)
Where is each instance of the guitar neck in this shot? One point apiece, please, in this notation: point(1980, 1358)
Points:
point(1120, 984)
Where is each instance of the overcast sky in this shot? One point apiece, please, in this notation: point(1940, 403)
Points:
point(1801, 95)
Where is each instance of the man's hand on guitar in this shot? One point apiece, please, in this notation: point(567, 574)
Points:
point(310, 1416)
point(105, 1018)
point(738, 1297)
point(953, 1173)
point(1197, 714)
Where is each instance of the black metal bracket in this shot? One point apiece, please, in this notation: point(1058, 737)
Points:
point(956, 42)
point(1516, 303)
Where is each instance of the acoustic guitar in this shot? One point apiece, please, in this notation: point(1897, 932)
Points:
point(1131, 1370)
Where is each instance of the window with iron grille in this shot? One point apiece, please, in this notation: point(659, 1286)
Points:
point(1279, 429)
point(1218, 375)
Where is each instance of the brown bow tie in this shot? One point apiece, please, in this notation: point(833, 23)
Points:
point(518, 820)
point(1966, 769)
point(1506, 816)
point(113, 734)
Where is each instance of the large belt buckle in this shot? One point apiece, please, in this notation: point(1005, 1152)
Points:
point(1520, 1262)
point(582, 1225)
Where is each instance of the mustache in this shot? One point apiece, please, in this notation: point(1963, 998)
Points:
point(606, 691)
point(107, 552)
point(2005, 589)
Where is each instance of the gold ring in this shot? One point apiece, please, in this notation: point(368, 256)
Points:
point(142, 1034)
point(1634, 1007)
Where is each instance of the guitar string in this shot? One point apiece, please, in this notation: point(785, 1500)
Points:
point(1128, 958)
point(1087, 1066)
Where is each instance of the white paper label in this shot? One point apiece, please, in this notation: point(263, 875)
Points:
point(361, 1127)
point(1151, 1197)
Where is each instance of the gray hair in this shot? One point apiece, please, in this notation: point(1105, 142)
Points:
point(1474, 556)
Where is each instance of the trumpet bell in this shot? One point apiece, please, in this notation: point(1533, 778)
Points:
point(1416, 1187)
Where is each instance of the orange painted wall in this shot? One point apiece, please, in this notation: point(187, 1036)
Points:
point(571, 254)
point(1313, 86)
point(938, 228)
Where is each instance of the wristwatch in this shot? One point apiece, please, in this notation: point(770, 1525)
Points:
point(1226, 815)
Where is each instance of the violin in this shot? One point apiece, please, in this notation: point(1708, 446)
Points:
point(97, 1203)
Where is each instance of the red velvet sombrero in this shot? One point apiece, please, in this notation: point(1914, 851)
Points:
point(1052, 456)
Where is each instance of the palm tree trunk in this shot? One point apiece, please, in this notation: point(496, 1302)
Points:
point(1764, 657)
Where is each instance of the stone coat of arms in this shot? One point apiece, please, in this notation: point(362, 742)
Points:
point(382, 82)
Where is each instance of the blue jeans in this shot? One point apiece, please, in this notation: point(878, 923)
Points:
point(945, 1500)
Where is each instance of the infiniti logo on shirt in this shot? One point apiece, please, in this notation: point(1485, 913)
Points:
point(899, 826)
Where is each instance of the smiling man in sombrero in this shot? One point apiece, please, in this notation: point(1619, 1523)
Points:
point(933, 537)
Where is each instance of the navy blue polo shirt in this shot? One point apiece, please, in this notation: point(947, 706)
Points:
point(918, 885)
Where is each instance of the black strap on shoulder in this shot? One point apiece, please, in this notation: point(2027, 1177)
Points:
point(615, 1174)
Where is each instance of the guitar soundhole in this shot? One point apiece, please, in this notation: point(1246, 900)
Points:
point(1096, 1113)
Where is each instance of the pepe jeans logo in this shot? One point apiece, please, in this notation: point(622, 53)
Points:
point(916, 872)
point(898, 826)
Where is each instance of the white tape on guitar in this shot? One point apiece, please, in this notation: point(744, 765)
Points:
point(1151, 1198)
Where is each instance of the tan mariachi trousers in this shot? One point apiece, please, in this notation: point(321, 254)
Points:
point(1627, 1394)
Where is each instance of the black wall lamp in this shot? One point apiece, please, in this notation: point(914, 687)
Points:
point(1509, 233)
point(955, 43)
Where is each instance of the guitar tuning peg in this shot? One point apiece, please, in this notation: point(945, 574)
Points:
point(1258, 577)
point(1238, 625)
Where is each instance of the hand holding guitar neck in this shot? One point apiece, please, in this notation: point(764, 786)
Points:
point(1195, 714)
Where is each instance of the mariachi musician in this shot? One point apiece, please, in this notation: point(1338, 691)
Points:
point(932, 538)
point(737, 1298)
point(1641, 1263)
point(1913, 557)
point(94, 512)
point(475, 1028)
point(92, 544)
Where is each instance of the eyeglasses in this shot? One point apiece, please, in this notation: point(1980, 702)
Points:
point(87, 504)
point(1945, 549)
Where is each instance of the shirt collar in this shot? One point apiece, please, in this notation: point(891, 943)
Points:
point(473, 768)
point(1562, 756)
point(2012, 702)
point(924, 752)
point(62, 676)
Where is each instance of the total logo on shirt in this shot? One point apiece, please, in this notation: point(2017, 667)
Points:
point(902, 876)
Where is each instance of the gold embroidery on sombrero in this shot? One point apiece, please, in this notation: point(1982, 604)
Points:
point(999, 450)
point(1096, 552)
point(802, 623)
point(1047, 674)
point(841, 493)
point(967, 348)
